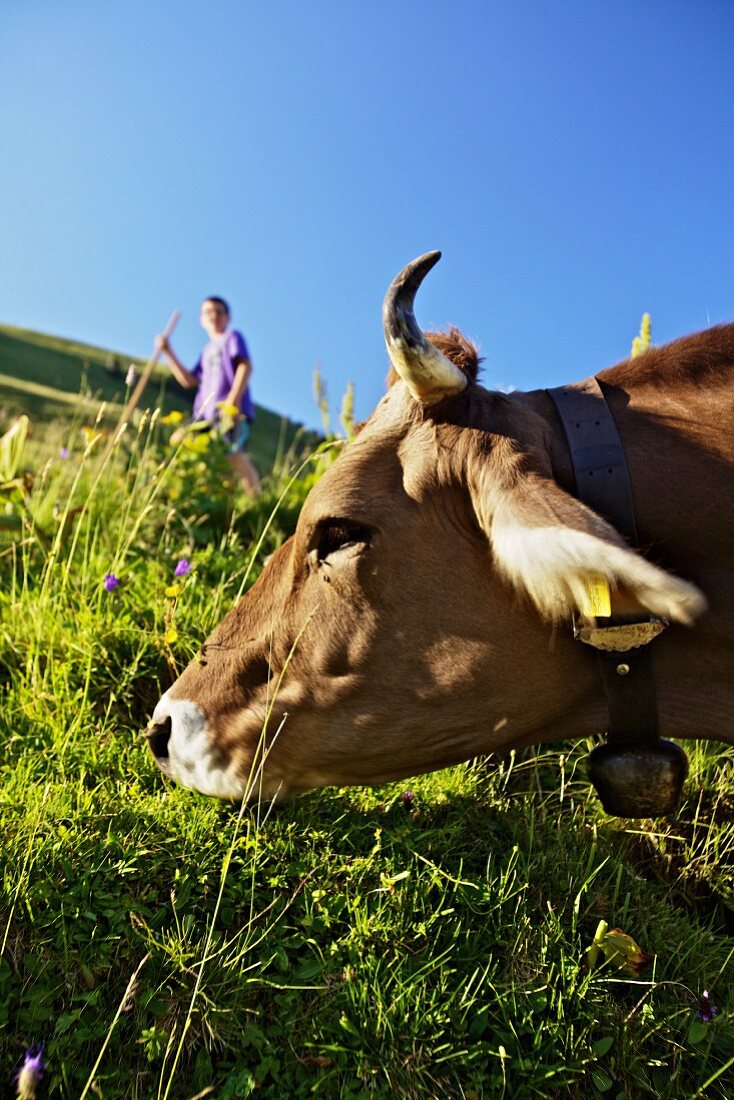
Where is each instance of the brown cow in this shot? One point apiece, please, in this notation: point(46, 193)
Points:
point(420, 615)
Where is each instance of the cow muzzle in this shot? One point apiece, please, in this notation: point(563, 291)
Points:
point(181, 744)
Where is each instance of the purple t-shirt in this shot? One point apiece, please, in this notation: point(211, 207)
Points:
point(215, 370)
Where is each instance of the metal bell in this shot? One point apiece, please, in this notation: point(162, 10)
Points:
point(639, 782)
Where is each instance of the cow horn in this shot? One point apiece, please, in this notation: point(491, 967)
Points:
point(429, 375)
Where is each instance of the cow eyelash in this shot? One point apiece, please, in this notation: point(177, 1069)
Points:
point(336, 534)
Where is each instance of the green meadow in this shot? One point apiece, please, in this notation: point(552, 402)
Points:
point(422, 939)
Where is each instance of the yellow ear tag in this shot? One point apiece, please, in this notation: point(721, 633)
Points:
point(597, 602)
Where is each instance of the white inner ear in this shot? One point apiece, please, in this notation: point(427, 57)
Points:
point(553, 564)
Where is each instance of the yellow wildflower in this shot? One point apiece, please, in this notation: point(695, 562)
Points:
point(619, 948)
point(197, 443)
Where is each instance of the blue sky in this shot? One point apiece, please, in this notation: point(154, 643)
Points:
point(573, 160)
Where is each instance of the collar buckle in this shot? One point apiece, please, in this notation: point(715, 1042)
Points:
point(620, 636)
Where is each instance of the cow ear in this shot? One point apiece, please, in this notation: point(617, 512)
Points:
point(550, 546)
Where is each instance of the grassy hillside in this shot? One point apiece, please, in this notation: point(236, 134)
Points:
point(52, 379)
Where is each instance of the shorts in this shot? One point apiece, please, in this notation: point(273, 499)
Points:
point(236, 441)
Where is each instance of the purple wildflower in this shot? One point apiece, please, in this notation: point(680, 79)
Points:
point(30, 1073)
point(706, 1008)
point(407, 798)
point(111, 582)
point(183, 567)
point(64, 452)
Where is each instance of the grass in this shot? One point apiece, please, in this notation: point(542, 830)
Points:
point(355, 943)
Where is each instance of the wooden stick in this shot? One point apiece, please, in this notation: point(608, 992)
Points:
point(147, 371)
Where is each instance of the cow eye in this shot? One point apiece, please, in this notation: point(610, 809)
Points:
point(339, 534)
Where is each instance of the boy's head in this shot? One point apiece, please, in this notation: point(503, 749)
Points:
point(214, 315)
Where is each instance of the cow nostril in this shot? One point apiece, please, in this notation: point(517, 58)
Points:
point(158, 738)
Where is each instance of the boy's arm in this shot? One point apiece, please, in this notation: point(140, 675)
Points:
point(243, 370)
point(181, 373)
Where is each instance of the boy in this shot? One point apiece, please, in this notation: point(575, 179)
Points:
point(221, 376)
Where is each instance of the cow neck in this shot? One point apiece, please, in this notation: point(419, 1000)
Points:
point(602, 482)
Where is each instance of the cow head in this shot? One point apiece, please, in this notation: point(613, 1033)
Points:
point(410, 621)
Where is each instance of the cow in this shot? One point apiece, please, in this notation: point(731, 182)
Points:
point(421, 613)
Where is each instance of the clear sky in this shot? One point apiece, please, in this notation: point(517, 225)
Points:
point(573, 160)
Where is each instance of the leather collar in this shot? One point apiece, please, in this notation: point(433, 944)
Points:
point(603, 482)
